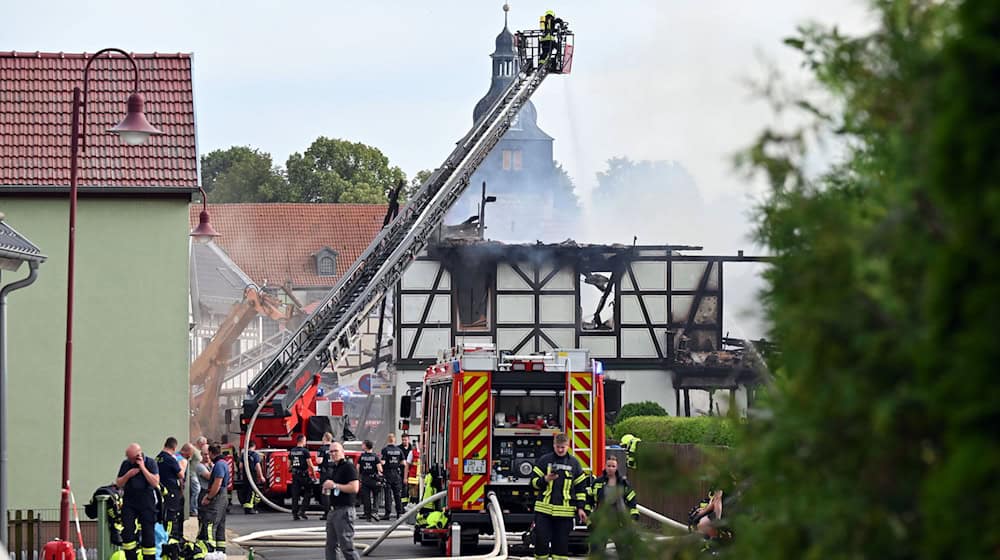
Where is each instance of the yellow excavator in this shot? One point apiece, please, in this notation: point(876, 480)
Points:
point(208, 370)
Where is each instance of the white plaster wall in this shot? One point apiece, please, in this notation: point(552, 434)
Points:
point(655, 305)
point(507, 279)
point(419, 275)
point(646, 385)
point(600, 346)
point(556, 309)
point(515, 308)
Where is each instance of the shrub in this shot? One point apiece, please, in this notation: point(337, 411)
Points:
point(704, 430)
point(644, 408)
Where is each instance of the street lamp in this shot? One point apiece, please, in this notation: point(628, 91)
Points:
point(134, 129)
point(204, 232)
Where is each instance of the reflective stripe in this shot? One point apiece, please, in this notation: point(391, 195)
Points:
point(149, 551)
point(131, 545)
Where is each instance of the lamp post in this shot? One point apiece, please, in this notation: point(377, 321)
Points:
point(133, 130)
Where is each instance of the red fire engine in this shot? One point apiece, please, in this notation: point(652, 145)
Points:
point(488, 417)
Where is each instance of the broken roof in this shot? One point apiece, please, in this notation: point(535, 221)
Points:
point(35, 112)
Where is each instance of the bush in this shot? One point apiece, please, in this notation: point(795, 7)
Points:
point(703, 430)
point(644, 408)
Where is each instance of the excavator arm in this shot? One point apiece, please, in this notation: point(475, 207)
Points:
point(208, 370)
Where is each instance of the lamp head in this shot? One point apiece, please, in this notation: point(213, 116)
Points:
point(204, 232)
point(134, 129)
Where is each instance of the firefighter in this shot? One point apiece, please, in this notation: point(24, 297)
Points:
point(393, 465)
point(549, 41)
point(301, 463)
point(561, 486)
point(172, 509)
point(140, 478)
point(413, 476)
point(432, 485)
point(631, 444)
point(612, 493)
point(256, 472)
point(369, 469)
point(406, 447)
point(212, 505)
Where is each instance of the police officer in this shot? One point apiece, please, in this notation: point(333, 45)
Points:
point(370, 469)
point(256, 472)
point(172, 510)
point(325, 468)
point(140, 478)
point(301, 463)
point(342, 485)
point(212, 505)
point(562, 494)
point(406, 448)
point(393, 463)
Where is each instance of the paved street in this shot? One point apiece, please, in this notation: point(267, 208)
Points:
point(241, 524)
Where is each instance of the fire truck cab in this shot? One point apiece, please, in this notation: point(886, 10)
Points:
point(487, 418)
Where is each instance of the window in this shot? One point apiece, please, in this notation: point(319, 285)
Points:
point(326, 262)
point(473, 292)
point(512, 160)
point(327, 266)
point(598, 291)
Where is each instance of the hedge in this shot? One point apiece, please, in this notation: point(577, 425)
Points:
point(704, 430)
point(644, 408)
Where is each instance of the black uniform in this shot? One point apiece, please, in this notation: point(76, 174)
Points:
point(139, 505)
point(556, 502)
point(298, 458)
point(392, 468)
point(249, 499)
point(340, 525)
point(406, 487)
point(368, 469)
point(325, 473)
point(172, 511)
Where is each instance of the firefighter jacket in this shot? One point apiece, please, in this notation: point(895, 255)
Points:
point(600, 492)
point(562, 496)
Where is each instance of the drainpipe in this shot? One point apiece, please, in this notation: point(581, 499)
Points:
point(33, 274)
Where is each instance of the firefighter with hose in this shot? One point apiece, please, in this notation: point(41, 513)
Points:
point(561, 494)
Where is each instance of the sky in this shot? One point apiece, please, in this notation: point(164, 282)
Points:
point(652, 79)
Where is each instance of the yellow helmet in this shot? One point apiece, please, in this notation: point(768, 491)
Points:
point(550, 13)
point(627, 439)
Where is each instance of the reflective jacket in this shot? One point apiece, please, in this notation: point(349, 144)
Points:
point(599, 490)
point(562, 496)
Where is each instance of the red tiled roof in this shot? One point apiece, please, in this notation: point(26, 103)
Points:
point(275, 242)
point(35, 113)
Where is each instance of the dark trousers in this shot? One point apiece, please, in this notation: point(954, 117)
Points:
point(340, 533)
point(301, 489)
point(369, 487)
point(552, 535)
point(394, 489)
point(147, 531)
point(212, 522)
point(172, 517)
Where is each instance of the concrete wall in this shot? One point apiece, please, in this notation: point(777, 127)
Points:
point(130, 366)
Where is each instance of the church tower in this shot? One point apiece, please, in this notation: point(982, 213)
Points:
point(520, 170)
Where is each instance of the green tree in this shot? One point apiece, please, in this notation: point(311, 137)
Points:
point(880, 439)
point(335, 170)
point(242, 174)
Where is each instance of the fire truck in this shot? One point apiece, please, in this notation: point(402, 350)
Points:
point(487, 418)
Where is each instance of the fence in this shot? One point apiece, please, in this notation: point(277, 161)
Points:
point(673, 500)
point(29, 530)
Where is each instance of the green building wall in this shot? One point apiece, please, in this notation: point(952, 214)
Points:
point(130, 364)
